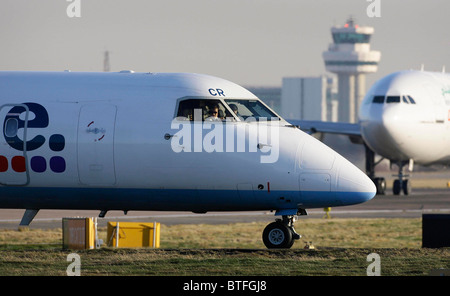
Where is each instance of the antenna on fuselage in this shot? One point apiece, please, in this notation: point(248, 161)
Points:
point(106, 66)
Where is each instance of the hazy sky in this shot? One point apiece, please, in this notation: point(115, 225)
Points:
point(250, 42)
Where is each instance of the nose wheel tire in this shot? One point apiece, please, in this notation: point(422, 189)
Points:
point(277, 235)
point(401, 185)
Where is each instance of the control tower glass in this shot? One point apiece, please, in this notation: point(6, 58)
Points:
point(352, 38)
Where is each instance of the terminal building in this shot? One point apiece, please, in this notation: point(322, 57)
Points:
point(350, 57)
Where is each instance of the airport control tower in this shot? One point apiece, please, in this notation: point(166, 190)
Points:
point(350, 57)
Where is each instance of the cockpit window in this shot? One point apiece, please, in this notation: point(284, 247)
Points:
point(250, 108)
point(203, 110)
point(411, 99)
point(393, 99)
point(378, 99)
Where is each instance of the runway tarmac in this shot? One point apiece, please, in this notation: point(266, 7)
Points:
point(421, 201)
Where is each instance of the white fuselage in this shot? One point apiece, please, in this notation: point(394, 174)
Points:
point(405, 115)
point(116, 141)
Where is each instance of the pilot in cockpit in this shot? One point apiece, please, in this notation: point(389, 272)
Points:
point(214, 113)
point(234, 108)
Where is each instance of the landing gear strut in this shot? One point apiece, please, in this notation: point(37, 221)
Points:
point(281, 233)
point(401, 184)
point(380, 183)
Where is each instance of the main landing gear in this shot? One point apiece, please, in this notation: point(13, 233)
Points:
point(400, 185)
point(380, 184)
point(281, 233)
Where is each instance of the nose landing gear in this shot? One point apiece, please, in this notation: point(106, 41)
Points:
point(281, 233)
point(402, 184)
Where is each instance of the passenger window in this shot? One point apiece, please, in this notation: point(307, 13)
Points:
point(202, 110)
point(378, 99)
point(393, 99)
point(11, 127)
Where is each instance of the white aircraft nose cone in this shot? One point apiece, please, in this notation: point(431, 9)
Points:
point(353, 186)
point(386, 131)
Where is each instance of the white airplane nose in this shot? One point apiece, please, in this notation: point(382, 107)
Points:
point(353, 186)
point(331, 177)
point(385, 131)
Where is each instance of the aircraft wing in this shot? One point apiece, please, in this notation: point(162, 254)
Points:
point(339, 128)
point(342, 128)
